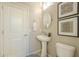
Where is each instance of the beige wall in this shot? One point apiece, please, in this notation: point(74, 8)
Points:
point(56, 38)
point(35, 16)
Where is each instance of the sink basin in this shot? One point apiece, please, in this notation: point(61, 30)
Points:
point(43, 38)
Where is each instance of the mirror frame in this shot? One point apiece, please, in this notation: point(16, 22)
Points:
point(47, 20)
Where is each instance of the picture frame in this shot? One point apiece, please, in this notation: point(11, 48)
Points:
point(66, 9)
point(69, 27)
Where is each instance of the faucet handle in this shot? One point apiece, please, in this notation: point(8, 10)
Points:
point(49, 34)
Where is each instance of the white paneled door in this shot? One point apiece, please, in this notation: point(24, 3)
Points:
point(16, 31)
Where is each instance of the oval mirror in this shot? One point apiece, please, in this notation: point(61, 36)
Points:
point(46, 20)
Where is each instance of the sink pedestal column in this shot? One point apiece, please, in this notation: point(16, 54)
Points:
point(44, 49)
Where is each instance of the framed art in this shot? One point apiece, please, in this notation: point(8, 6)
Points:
point(67, 9)
point(69, 27)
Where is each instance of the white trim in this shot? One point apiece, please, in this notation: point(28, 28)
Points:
point(49, 55)
point(34, 52)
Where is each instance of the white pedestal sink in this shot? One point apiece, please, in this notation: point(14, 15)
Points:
point(44, 39)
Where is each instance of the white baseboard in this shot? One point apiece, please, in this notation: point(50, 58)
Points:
point(38, 52)
point(35, 52)
point(49, 55)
